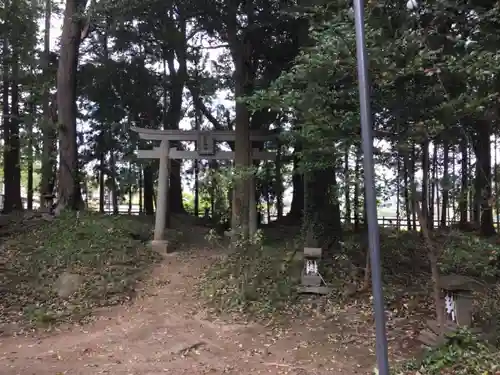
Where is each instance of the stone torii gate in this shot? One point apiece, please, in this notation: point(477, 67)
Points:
point(205, 149)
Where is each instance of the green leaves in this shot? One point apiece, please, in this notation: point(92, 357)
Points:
point(255, 280)
point(421, 71)
point(462, 354)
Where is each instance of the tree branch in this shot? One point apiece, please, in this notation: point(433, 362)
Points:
point(198, 103)
point(88, 26)
point(433, 255)
point(86, 29)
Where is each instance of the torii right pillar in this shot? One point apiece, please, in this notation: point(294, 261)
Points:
point(252, 199)
point(252, 210)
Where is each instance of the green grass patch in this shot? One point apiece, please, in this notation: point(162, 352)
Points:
point(256, 280)
point(404, 253)
point(462, 354)
point(107, 253)
point(261, 280)
point(469, 254)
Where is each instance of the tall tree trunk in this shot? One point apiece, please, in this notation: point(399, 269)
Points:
point(297, 206)
point(148, 190)
point(425, 182)
point(347, 190)
point(130, 196)
point(446, 183)
point(70, 196)
point(398, 191)
point(102, 186)
point(432, 200)
point(408, 204)
point(451, 200)
point(216, 215)
point(470, 196)
point(178, 79)
point(15, 144)
point(141, 181)
point(87, 193)
point(30, 125)
point(482, 146)
point(323, 218)
point(49, 135)
point(243, 81)
point(196, 188)
point(495, 195)
point(438, 202)
point(197, 122)
point(357, 182)
point(114, 187)
point(7, 167)
point(29, 152)
point(464, 188)
point(412, 183)
point(279, 183)
point(477, 198)
point(12, 156)
point(267, 192)
point(175, 191)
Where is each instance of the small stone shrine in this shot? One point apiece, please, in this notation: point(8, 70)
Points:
point(311, 280)
point(457, 297)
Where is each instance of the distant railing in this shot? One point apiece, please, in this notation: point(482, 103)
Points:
point(383, 221)
point(24, 201)
point(401, 223)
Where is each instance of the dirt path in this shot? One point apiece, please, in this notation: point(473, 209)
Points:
point(165, 332)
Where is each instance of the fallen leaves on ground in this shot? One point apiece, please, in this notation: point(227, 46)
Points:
point(108, 252)
point(260, 283)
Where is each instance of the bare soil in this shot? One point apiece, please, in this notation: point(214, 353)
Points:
point(166, 330)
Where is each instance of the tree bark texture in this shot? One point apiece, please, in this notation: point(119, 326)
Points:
point(69, 185)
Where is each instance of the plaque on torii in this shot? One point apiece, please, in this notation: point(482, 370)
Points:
point(205, 144)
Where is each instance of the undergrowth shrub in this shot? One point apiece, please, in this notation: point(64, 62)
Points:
point(405, 251)
point(406, 266)
point(462, 354)
point(107, 252)
point(468, 254)
point(254, 279)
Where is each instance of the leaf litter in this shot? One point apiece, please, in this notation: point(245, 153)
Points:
point(296, 335)
point(260, 286)
point(107, 253)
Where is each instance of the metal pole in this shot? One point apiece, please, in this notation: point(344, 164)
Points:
point(370, 195)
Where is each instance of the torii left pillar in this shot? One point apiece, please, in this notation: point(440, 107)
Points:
point(160, 243)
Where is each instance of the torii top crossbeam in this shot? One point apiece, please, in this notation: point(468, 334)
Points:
point(193, 135)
